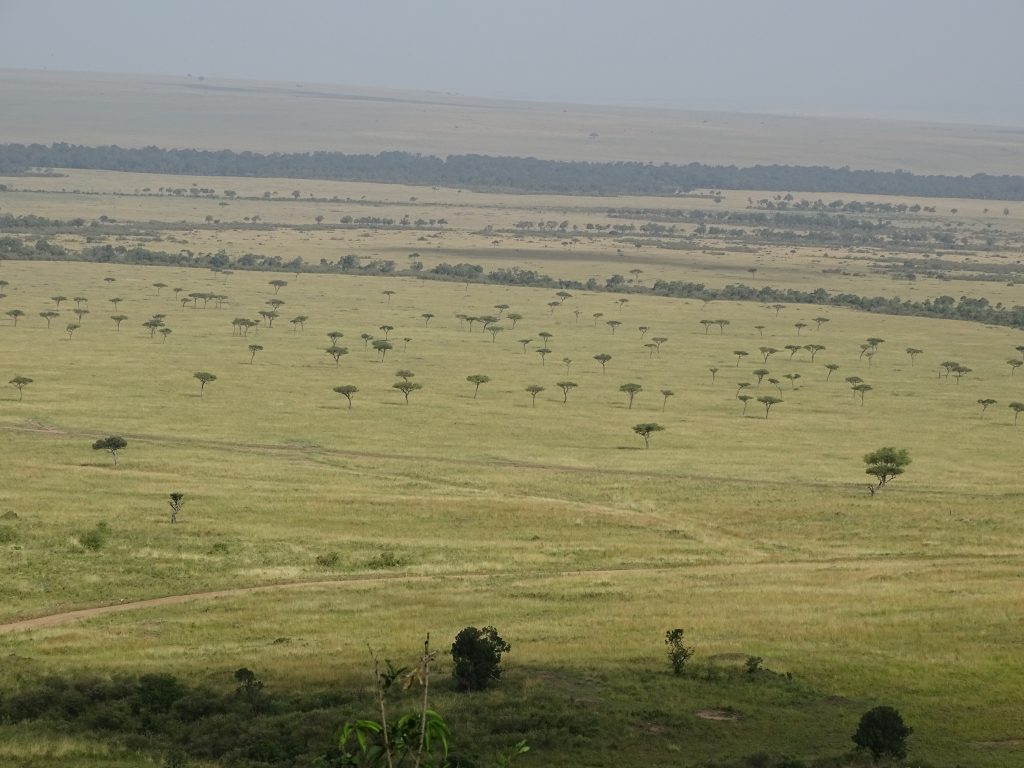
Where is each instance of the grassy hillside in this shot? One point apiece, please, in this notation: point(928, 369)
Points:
point(551, 522)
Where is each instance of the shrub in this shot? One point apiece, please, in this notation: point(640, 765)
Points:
point(7, 534)
point(678, 654)
point(476, 654)
point(882, 731)
point(753, 664)
point(95, 538)
point(328, 559)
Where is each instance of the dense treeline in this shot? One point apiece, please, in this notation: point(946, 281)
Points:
point(520, 174)
point(976, 310)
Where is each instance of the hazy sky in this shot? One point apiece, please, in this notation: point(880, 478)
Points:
point(935, 59)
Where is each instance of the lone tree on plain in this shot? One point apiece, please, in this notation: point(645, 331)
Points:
point(204, 379)
point(14, 314)
point(1013, 362)
point(819, 321)
point(631, 391)
point(346, 391)
point(886, 463)
point(913, 352)
point(427, 317)
point(882, 732)
point(19, 383)
point(176, 503)
point(253, 349)
point(48, 316)
point(278, 284)
point(832, 368)
point(389, 294)
point(646, 430)
point(985, 403)
point(740, 354)
point(768, 401)
point(613, 324)
point(406, 387)
point(603, 360)
point(721, 326)
point(158, 286)
point(335, 352)
point(476, 658)
point(678, 653)
point(799, 327)
point(1017, 409)
point(714, 373)
point(111, 444)
point(534, 390)
point(666, 394)
point(476, 380)
point(566, 386)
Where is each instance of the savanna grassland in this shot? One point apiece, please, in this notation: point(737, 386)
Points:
point(379, 523)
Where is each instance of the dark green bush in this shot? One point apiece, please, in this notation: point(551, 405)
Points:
point(476, 654)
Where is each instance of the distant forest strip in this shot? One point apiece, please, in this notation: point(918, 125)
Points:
point(945, 307)
point(509, 174)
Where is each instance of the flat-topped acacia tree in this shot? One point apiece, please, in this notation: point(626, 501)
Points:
point(427, 317)
point(566, 387)
point(534, 390)
point(118, 319)
point(278, 284)
point(1018, 409)
point(19, 383)
point(14, 314)
point(832, 368)
point(666, 394)
point(476, 380)
point(406, 388)
point(253, 349)
point(886, 463)
point(48, 316)
point(112, 445)
point(603, 359)
point(204, 378)
point(631, 390)
point(768, 401)
point(347, 391)
point(646, 430)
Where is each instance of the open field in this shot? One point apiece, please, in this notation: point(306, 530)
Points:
point(142, 110)
point(552, 523)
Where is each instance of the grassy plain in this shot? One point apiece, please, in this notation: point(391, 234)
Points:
point(143, 110)
point(552, 523)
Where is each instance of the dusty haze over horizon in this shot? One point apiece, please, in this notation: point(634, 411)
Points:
point(938, 61)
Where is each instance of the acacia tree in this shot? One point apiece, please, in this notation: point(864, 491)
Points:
point(278, 284)
point(819, 321)
point(253, 349)
point(165, 332)
point(792, 379)
point(204, 379)
point(645, 431)
point(534, 390)
point(643, 331)
point(58, 299)
point(494, 330)
point(566, 386)
point(760, 373)
point(886, 463)
point(427, 317)
point(19, 383)
point(744, 399)
point(405, 374)
point(768, 401)
point(714, 373)
point(407, 387)
point(707, 325)
point(544, 352)
point(832, 368)
point(760, 330)
point(382, 348)
point(367, 338)
point(666, 394)
point(913, 352)
point(799, 327)
point(767, 352)
point(631, 391)
point(613, 324)
point(861, 389)
point(778, 308)
point(387, 330)
point(115, 301)
point(814, 349)
point(158, 286)
point(176, 502)
point(721, 326)
point(299, 320)
point(334, 336)
point(476, 380)
point(793, 349)
point(1017, 409)
point(960, 371)
point(111, 444)
point(525, 342)
point(347, 390)
point(515, 317)
point(1013, 362)
point(740, 354)
point(603, 360)
point(985, 403)
point(118, 319)
point(48, 316)
point(659, 340)
point(71, 328)
point(389, 294)
point(546, 336)
point(14, 314)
